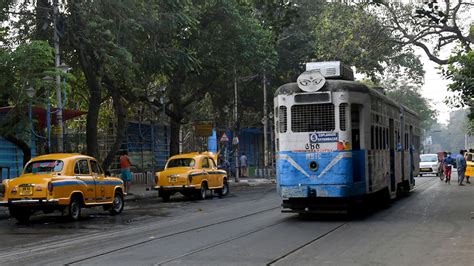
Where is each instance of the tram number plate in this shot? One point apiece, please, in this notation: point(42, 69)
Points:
point(26, 191)
point(312, 146)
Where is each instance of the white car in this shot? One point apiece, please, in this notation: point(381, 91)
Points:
point(429, 164)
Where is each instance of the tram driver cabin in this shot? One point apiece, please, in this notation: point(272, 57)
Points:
point(337, 139)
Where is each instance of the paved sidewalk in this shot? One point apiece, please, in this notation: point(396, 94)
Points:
point(142, 191)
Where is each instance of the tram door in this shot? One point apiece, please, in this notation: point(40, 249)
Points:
point(355, 125)
point(358, 170)
point(391, 138)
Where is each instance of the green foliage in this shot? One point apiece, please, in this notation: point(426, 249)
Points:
point(19, 69)
point(357, 38)
point(461, 72)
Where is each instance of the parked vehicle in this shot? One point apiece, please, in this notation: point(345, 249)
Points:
point(191, 174)
point(61, 182)
point(430, 164)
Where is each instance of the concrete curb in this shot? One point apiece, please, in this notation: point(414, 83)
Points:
point(143, 192)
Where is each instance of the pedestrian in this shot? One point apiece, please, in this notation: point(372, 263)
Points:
point(468, 157)
point(461, 166)
point(448, 164)
point(126, 174)
point(243, 165)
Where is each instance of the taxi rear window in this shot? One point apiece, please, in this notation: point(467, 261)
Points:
point(46, 166)
point(181, 162)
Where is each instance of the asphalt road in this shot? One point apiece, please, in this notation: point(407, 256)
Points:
point(432, 226)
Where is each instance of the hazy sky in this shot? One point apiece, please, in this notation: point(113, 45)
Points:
point(435, 88)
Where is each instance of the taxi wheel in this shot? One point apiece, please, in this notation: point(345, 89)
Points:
point(203, 191)
point(117, 204)
point(75, 209)
point(165, 196)
point(224, 190)
point(22, 215)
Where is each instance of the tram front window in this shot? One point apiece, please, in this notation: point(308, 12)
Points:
point(313, 117)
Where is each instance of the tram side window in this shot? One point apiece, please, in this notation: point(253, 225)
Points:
point(416, 142)
point(342, 116)
point(377, 138)
point(372, 138)
point(283, 119)
point(384, 137)
point(406, 141)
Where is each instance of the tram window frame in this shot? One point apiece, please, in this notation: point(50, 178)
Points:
point(343, 116)
point(283, 119)
point(313, 117)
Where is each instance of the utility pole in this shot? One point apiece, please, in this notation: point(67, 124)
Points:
point(265, 122)
point(236, 130)
point(59, 115)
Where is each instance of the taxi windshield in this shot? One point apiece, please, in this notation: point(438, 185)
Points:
point(429, 158)
point(181, 162)
point(46, 166)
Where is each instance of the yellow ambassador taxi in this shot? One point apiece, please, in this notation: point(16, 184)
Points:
point(64, 182)
point(191, 174)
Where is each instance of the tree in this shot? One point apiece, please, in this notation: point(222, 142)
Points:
point(431, 26)
point(227, 42)
point(461, 72)
point(23, 67)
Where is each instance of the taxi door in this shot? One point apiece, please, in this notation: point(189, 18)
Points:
point(82, 173)
point(103, 191)
point(215, 176)
point(208, 167)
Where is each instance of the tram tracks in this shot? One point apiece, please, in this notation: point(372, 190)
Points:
point(138, 243)
point(290, 253)
point(334, 229)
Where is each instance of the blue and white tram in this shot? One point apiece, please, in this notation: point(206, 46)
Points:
point(338, 141)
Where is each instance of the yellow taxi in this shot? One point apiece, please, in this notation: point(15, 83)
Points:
point(63, 182)
point(469, 164)
point(191, 174)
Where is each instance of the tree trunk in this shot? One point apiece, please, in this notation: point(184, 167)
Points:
point(174, 136)
point(121, 115)
point(42, 29)
point(24, 147)
point(94, 104)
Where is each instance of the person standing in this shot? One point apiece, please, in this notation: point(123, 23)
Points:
point(468, 157)
point(243, 165)
point(461, 166)
point(126, 174)
point(448, 164)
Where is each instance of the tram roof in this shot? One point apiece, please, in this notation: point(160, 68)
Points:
point(337, 85)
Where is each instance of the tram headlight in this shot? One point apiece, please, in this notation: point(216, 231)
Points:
point(313, 165)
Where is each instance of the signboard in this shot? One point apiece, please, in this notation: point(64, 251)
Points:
point(203, 129)
point(224, 138)
point(323, 137)
point(235, 141)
